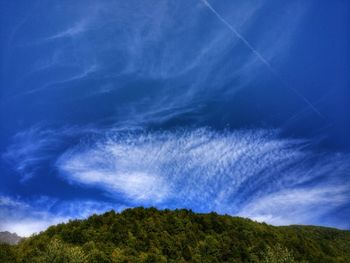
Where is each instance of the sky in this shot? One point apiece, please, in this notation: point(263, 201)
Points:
point(239, 107)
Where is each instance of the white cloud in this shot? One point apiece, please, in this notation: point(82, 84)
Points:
point(6, 201)
point(297, 206)
point(248, 172)
point(26, 217)
point(29, 150)
point(25, 227)
point(77, 28)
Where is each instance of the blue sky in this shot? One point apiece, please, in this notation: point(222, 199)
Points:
point(239, 107)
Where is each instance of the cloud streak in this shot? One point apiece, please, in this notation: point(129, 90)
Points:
point(238, 35)
point(261, 57)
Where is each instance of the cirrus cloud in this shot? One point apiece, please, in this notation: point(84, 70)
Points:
point(252, 173)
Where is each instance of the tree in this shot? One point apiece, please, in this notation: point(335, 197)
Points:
point(277, 254)
point(58, 252)
point(7, 253)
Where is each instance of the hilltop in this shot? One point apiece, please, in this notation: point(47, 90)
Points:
point(151, 235)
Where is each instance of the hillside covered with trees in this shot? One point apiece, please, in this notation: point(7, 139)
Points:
point(151, 235)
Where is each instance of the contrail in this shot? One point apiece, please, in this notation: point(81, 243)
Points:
point(260, 57)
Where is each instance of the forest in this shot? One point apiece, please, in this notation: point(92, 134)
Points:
point(152, 235)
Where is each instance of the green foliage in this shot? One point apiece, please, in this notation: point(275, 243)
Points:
point(59, 252)
point(277, 254)
point(150, 235)
point(7, 253)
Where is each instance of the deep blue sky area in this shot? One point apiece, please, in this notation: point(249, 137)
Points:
point(239, 107)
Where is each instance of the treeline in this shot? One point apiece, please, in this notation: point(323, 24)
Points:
point(151, 235)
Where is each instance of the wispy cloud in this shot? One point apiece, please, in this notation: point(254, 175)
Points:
point(32, 148)
point(78, 28)
point(86, 72)
point(247, 172)
point(301, 205)
point(163, 40)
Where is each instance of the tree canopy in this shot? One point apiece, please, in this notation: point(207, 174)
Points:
point(151, 235)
